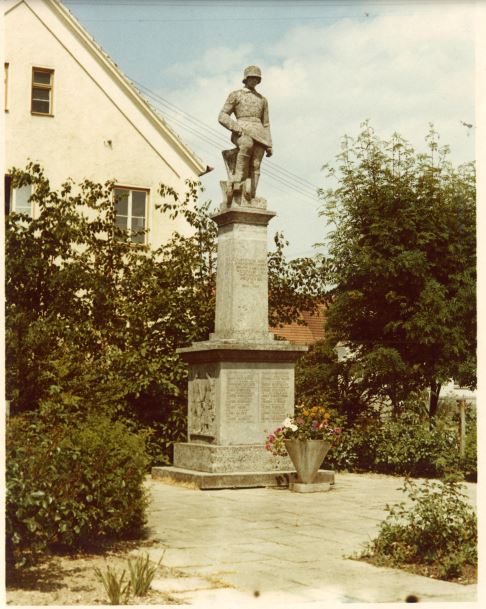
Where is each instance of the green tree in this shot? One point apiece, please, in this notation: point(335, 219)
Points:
point(321, 379)
point(94, 322)
point(403, 265)
point(294, 286)
point(75, 286)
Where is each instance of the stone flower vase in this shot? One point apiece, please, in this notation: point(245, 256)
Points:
point(307, 456)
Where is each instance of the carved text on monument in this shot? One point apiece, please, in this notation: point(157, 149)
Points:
point(276, 395)
point(251, 272)
point(241, 393)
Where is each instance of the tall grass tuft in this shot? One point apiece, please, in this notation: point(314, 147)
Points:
point(141, 574)
point(116, 589)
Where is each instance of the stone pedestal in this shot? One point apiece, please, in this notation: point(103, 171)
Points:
point(241, 381)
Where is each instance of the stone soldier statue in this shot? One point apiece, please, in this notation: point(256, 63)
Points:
point(250, 132)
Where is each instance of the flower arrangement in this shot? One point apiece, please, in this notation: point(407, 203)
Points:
point(308, 423)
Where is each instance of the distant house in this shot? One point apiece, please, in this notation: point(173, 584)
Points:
point(455, 392)
point(69, 108)
point(309, 334)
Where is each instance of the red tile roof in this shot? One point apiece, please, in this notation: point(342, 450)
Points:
point(312, 332)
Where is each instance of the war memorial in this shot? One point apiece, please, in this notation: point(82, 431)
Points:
point(241, 380)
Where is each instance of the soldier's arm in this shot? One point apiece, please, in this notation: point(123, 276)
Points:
point(266, 125)
point(224, 117)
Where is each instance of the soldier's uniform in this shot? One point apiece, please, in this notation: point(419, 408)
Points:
point(250, 110)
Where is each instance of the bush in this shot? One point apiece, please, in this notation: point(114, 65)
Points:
point(355, 449)
point(407, 445)
point(71, 482)
point(469, 463)
point(439, 529)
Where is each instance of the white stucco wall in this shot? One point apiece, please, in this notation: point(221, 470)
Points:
point(91, 106)
point(452, 391)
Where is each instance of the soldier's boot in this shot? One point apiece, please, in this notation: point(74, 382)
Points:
point(241, 169)
point(254, 183)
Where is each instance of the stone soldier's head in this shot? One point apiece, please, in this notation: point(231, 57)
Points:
point(252, 76)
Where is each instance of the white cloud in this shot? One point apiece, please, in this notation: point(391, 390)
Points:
point(401, 71)
point(215, 60)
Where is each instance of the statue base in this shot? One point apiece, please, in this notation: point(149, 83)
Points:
point(238, 194)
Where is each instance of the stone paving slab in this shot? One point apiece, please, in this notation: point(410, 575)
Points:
point(271, 547)
point(181, 584)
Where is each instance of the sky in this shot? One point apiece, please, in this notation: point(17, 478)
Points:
point(327, 66)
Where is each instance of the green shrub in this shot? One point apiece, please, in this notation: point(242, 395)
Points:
point(410, 446)
point(71, 482)
point(406, 445)
point(356, 447)
point(469, 462)
point(439, 528)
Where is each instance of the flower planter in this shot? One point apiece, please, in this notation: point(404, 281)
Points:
point(307, 456)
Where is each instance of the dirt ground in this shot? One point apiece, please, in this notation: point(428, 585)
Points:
point(71, 580)
point(469, 575)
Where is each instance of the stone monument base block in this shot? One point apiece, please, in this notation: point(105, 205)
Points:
point(216, 459)
point(215, 481)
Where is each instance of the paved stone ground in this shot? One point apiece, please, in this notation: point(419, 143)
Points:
point(270, 547)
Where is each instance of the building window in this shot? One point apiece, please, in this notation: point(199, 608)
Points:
point(42, 84)
point(17, 199)
point(5, 86)
point(8, 193)
point(131, 212)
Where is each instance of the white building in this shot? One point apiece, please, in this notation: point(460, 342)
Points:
point(69, 108)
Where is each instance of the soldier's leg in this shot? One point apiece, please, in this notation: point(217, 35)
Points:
point(256, 160)
point(245, 148)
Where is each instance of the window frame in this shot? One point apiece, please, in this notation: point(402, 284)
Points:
point(13, 200)
point(129, 228)
point(47, 87)
point(5, 85)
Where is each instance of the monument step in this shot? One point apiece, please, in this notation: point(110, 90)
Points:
point(211, 481)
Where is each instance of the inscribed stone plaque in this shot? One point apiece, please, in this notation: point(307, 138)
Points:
point(275, 395)
point(251, 272)
point(241, 395)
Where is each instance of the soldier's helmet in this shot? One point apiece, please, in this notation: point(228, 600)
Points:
point(252, 71)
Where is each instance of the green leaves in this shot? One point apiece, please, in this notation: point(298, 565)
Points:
point(402, 259)
point(93, 323)
point(117, 591)
point(142, 573)
point(294, 286)
point(88, 477)
point(436, 526)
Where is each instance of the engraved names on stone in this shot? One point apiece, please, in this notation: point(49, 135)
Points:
point(242, 391)
point(251, 272)
point(266, 394)
point(275, 395)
